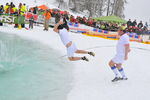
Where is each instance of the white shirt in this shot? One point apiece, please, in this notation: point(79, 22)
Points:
point(64, 35)
point(120, 49)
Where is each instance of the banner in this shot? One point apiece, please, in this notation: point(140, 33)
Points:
point(19, 20)
point(12, 19)
point(7, 19)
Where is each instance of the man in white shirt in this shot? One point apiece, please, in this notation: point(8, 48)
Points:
point(62, 28)
point(122, 50)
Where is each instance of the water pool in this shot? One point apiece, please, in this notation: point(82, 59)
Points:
point(30, 70)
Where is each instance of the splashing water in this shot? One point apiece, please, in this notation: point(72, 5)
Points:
point(30, 70)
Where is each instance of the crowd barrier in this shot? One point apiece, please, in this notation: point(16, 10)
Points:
point(74, 24)
point(18, 19)
point(107, 34)
point(100, 31)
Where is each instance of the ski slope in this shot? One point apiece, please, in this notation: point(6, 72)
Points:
point(92, 80)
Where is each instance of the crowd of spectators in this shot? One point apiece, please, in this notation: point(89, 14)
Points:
point(135, 27)
point(93, 23)
point(11, 9)
point(130, 26)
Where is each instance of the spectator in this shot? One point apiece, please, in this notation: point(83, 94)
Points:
point(20, 7)
point(146, 25)
point(24, 8)
point(66, 15)
point(123, 26)
point(6, 7)
point(31, 20)
point(94, 23)
point(140, 25)
point(134, 23)
point(98, 25)
point(103, 26)
point(22, 12)
point(72, 19)
point(57, 16)
point(10, 9)
point(1, 9)
point(15, 10)
point(129, 23)
point(84, 20)
point(35, 10)
point(106, 26)
point(47, 16)
point(1, 12)
point(90, 22)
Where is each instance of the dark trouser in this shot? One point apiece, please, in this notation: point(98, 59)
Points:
point(23, 25)
point(1, 24)
point(31, 24)
point(16, 26)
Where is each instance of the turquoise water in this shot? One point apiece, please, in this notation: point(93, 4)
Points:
point(30, 70)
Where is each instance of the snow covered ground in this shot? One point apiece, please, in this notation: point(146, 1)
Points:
point(92, 80)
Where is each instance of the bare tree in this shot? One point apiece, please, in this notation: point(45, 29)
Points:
point(118, 7)
point(108, 7)
point(98, 8)
point(62, 4)
point(59, 3)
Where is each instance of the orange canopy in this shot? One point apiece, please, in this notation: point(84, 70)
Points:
point(44, 7)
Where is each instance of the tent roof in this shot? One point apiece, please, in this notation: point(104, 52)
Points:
point(111, 19)
point(44, 7)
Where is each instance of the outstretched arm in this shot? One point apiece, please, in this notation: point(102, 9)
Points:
point(127, 50)
point(56, 26)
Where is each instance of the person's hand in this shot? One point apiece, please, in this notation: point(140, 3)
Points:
point(126, 57)
point(129, 50)
point(61, 22)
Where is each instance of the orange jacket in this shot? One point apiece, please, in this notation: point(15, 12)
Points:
point(47, 15)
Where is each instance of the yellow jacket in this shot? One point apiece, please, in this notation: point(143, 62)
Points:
point(24, 8)
point(6, 7)
point(15, 9)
